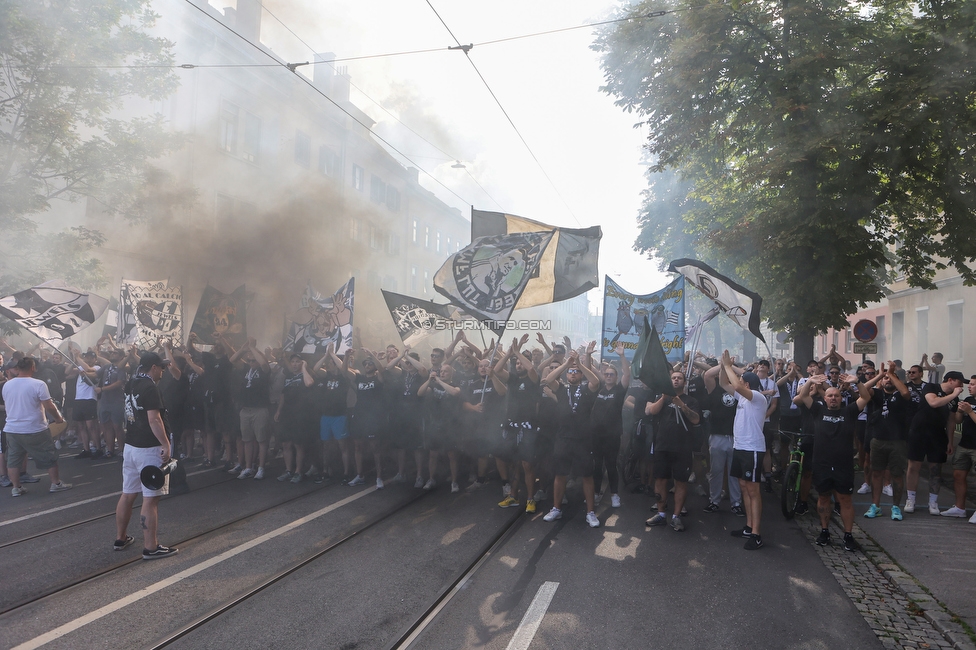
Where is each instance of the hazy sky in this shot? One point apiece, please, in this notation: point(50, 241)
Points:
point(549, 85)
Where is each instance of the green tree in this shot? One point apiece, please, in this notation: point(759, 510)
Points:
point(799, 147)
point(64, 134)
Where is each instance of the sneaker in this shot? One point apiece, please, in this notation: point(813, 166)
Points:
point(508, 502)
point(17, 491)
point(553, 515)
point(312, 471)
point(84, 454)
point(121, 544)
point(430, 484)
point(640, 488)
point(744, 532)
point(28, 478)
point(934, 509)
point(837, 507)
point(896, 513)
point(359, 480)
point(285, 477)
point(676, 523)
point(477, 485)
point(397, 479)
point(161, 551)
point(954, 512)
point(691, 477)
point(909, 505)
point(565, 500)
point(379, 483)
point(592, 520)
point(60, 486)
point(208, 463)
point(864, 489)
point(754, 543)
point(824, 538)
point(236, 469)
point(5, 481)
point(886, 490)
point(850, 544)
point(540, 496)
point(684, 511)
point(711, 507)
point(419, 483)
point(614, 500)
point(506, 490)
point(110, 455)
point(873, 512)
point(738, 511)
point(657, 520)
point(455, 488)
point(259, 475)
point(801, 508)
point(246, 473)
point(972, 519)
point(597, 498)
point(530, 507)
point(296, 478)
point(321, 478)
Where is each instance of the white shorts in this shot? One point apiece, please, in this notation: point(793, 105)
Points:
point(133, 460)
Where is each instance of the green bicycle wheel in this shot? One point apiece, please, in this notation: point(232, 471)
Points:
point(791, 489)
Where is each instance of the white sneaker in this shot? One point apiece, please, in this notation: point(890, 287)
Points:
point(419, 483)
point(397, 479)
point(972, 519)
point(312, 471)
point(553, 515)
point(864, 489)
point(455, 488)
point(954, 512)
point(539, 496)
point(886, 490)
point(597, 498)
point(565, 500)
point(691, 477)
point(61, 486)
point(357, 480)
point(614, 500)
point(909, 505)
point(247, 473)
point(934, 509)
point(592, 520)
point(506, 490)
point(379, 483)
point(430, 485)
point(259, 475)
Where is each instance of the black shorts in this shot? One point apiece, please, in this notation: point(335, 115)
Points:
point(831, 479)
point(672, 464)
point(224, 419)
point(300, 430)
point(363, 427)
point(573, 457)
point(85, 410)
point(525, 437)
point(860, 430)
point(747, 465)
point(506, 442)
point(406, 433)
point(441, 437)
point(193, 417)
point(928, 445)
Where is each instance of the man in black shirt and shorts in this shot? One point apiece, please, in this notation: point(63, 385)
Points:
point(886, 430)
point(965, 456)
point(928, 438)
point(146, 443)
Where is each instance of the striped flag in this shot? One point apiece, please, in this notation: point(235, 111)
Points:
point(53, 311)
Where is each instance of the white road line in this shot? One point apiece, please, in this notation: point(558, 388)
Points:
point(102, 612)
point(77, 503)
point(533, 617)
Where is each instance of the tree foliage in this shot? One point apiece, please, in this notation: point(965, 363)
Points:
point(811, 148)
point(64, 133)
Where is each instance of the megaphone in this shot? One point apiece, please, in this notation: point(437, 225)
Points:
point(154, 477)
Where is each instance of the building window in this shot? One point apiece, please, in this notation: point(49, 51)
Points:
point(426, 236)
point(223, 212)
point(358, 178)
point(377, 189)
point(228, 126)
point(413, 278)
point(393, 244)
point(448, 247)
point(392, 198)
point(375, 238)
point(426, 281)
point(898, 335)
point(921, 330)
point(954, 342)
point(355, 229)
point(252, 137)
point(328, 161)
point(848, 338)
point(373, 280)
point(437, 242)
point(303, 148)
point(413, 231)
point(389, 283)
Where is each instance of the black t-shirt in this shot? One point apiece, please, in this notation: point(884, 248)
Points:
point(787, 391)
point(218, 375)
point(523, 398)
point(52, 374)
point(573, 407)
point(886, 415)
point(493, 406)
point(722, 407)
point(930, 421)
point(331, 393)
point(298, 398)
point(371, 404)
point(255, 388)
point(833, 436)
point(968, 439)
point(174, 391)
point(409, 404)
point(141, 396)
point(672, 430)
point(443, 409)
point(607, 414)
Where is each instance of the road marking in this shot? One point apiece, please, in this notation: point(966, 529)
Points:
point(78, 503)
point(533, 617)
point(102, 612)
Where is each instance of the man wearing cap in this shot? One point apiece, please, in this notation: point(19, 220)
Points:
point(26, 431)
point(146, 443)
point(928, 438)
point(85, 409)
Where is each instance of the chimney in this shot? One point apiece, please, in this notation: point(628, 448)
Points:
point(230, 17)
point(323, 73)
point(340, 86)
point(249, 19)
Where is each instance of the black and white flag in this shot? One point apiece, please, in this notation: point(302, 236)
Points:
point(417, 319)
point(152, 311)
point(734, 300)
point(53, 311)
point(487, 277)
point(323, 320)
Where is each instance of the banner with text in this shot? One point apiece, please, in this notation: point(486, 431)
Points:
point(623, 319)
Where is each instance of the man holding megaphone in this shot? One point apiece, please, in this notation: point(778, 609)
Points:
point(146, 445)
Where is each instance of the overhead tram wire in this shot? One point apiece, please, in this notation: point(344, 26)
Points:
point(292, 66)
point(467, 49)
point(383, 108)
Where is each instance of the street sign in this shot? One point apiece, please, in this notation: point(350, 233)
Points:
point(865, 331)
point(865, 348)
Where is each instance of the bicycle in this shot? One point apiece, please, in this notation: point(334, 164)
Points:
point(793, 474)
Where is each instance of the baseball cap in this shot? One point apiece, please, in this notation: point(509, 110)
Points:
point(954, 374)
point(150, 359)
point(752, 379)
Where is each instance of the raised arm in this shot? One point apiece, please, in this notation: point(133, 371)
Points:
point(624, 365)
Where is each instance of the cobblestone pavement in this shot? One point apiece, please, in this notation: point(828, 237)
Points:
point(898, 609)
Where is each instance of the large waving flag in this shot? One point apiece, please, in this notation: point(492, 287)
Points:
point(624, 312)
point(321, 320)
point(221, 313)
point(149, 313)
point(735, 301)
point(650, 364)
point(568, 266)
point(417, 319)
point(53, 311)
point(486, 278)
